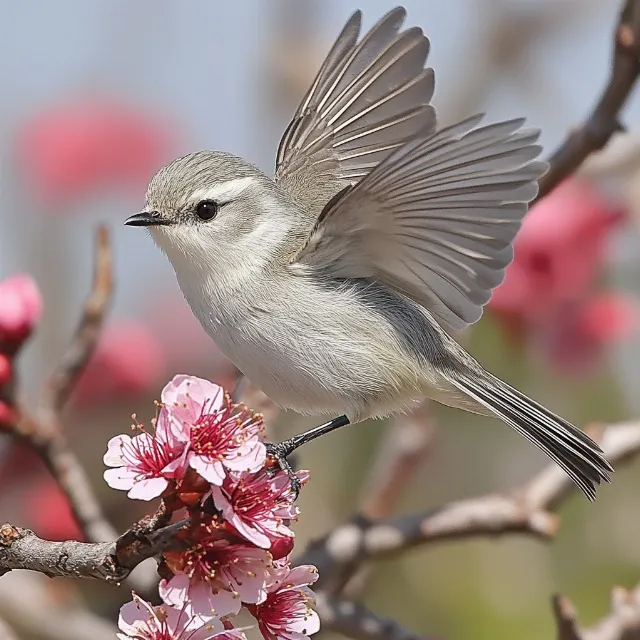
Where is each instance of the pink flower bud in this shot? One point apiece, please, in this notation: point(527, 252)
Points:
point(281, 548)
point(20, 310)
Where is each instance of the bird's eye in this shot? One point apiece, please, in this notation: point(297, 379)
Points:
point(207, 210)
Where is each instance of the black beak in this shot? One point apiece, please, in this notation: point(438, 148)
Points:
point(146, 219)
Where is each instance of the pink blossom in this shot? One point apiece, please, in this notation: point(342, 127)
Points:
point(145, 463)
point(20, 310)
point(72, 149)
point(558, 253)
point(287, 612)
point(575, 339)
point(5, 369)
point(216, 575)
point(259, 506)
point(128, 361)
point(139, 620)
point(221, 436)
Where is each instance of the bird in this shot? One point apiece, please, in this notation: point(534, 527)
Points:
point(338, 286)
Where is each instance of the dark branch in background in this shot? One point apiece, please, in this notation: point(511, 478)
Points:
point(622, 622)
point(354, 620)
point(527, 510)
point(603, 121)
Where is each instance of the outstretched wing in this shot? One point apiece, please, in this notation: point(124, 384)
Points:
point(437, 219)
point(368, 98)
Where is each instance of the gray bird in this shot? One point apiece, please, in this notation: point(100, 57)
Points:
point(336, 286)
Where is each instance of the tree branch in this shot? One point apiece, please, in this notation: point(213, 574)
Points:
point(63, 380)
point(603, 121)
point(109, 561)
point(622, 623)
point(527, 510)
point(354, 620)
point(43, 430)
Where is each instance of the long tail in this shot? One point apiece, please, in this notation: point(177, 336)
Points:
point(573, 450)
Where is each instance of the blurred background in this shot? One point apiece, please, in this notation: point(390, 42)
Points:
point(98, 95)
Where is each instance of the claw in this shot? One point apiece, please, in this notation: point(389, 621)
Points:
point(279, 452)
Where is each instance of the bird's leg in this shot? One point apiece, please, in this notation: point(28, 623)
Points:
point(282, 450)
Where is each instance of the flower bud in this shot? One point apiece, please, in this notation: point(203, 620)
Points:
point(20, 311)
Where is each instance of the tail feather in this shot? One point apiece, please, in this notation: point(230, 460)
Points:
point(573, 450)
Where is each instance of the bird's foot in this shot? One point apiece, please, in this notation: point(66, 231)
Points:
point(279, 452)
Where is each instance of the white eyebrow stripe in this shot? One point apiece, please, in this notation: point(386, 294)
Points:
point(223, 192)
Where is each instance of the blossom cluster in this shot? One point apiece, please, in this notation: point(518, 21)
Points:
point(207, 459)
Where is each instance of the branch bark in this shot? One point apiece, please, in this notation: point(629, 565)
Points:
point(622, 622)
point(527, 510)
point(109, 561)
point(604, 120)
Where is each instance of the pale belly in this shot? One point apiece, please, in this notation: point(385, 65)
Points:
point(334, 356)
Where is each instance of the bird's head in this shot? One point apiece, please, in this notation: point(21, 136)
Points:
point(208, 209)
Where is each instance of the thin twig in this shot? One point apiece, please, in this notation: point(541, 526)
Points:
point(43, 430)
point(355, 620)
point(406, 444)
point(603, 121)
point(63, 380)
point(622, 622)
point(48, 439)
point(527, 510)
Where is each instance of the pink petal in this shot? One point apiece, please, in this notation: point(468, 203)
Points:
point(120, 478)
point(171, 430)
point(113, 457)
point(133, 615)
point(177, 467)
point(185, 396)
point(148, 489)
point(203, 601)
point(187, 626)
point(250, 457)
point(306, 626)
point(211, 470)
point(174, 592)
point(301, 576)
point(252, 590)
point(250, 533)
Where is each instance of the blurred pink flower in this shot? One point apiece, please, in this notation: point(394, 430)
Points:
point(144, 464)
point(128, 361)
point(286, 614)
point(5, 369)
point(139, 620)
point(49, 513)
point(220, 436)
point(575, 339)
point(558, 253)
point(20, 311)
point(216, 575)
point(258, 506)
point(75, 148)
